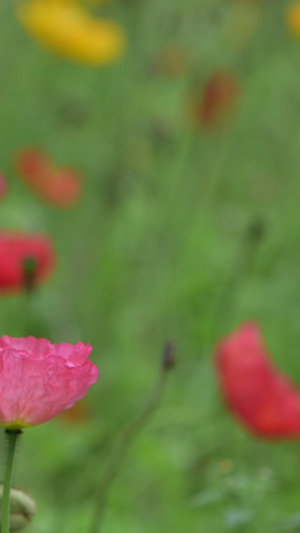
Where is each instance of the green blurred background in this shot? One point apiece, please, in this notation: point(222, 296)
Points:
point(182, 233)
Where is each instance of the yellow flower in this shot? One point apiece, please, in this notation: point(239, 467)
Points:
point(86, 1)
point(68, 29)
point(293, 18)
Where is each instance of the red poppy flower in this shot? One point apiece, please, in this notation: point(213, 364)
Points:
point(25, 259)
point(59, 186)
point(260, 396)
point(218, 98)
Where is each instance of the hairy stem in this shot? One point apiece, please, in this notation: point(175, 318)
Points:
point(5, 506)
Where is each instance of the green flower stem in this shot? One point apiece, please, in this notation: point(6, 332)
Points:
point(5, 506)
point(120, 450)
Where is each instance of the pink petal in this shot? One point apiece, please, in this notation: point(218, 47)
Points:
point(39, 379)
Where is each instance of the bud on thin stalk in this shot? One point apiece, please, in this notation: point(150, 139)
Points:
point(169, 359)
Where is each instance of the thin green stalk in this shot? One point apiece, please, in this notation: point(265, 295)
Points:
point(5, 506)
point(167, 363)
point(122, 446)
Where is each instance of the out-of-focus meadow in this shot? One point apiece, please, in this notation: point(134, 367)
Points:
point(184, 230)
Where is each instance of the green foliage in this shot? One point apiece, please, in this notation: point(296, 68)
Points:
point(156, 250)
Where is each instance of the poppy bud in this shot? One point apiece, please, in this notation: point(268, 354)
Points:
point(169, 359)
point(22, 508)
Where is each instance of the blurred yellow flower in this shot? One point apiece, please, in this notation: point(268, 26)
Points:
point(293, 18)
point(68, 29)
point(87, 1)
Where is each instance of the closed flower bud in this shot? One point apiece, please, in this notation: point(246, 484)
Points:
point(22, 508)
point(169, 359)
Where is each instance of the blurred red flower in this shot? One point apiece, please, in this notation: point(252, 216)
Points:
point(26, 259)
point(217, 100)
point(262, 398)
point(61, 187)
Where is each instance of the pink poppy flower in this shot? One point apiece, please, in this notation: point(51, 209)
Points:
point(39, 379)
point(24, 258)
point(59, 186)
point(262, 398)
